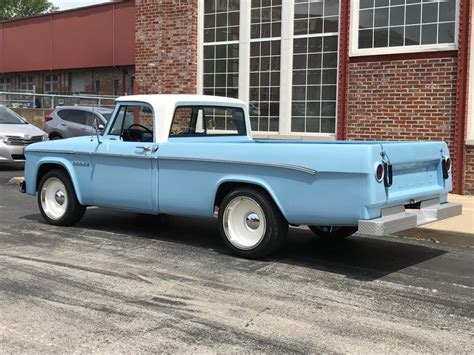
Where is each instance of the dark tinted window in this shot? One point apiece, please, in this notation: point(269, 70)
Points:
point(79, 117)
point(63, 114)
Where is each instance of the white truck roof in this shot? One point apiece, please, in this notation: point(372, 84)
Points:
point(164, 107)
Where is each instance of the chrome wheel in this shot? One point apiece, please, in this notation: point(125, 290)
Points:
point(54, 199)
point(244, 223)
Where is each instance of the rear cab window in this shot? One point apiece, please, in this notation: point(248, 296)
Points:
point(206, 121)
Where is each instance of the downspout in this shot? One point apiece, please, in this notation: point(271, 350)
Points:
point(461, 95)
point(343, 75)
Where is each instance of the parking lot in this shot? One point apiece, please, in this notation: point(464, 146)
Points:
point(122, 282)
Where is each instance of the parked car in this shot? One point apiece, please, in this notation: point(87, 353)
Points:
point(194, 156)
point(15, 134)
point(75, 121)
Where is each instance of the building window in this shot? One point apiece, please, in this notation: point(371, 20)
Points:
point(265, 47)
point(221, 48)
point(116, 87)
point(398, 26)
point(287, 55)
point(132, 85)
point(26, 83)
point(4, 83)
point(51, 83)
point(315, 54)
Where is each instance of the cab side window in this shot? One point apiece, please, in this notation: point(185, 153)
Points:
point(133, 123)
point(207, 121)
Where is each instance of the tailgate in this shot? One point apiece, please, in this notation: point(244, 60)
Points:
point(417, 169)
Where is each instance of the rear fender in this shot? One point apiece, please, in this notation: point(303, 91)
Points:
point(253, 181)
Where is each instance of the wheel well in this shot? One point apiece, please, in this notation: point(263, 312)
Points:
point(48, 167)
point(227, 187)
point(54, 134)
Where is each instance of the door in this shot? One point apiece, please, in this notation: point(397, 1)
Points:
point(125, 168)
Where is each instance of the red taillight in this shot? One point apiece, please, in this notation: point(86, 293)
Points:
point(47, 118)
point(379, 173)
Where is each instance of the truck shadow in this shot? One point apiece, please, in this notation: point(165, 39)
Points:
point(359, 257)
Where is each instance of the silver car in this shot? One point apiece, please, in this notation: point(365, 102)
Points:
point(15, 135)
point(74, 121)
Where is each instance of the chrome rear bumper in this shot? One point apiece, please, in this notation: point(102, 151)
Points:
point(396, 219)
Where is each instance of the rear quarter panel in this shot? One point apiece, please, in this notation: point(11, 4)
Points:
point(190, 173)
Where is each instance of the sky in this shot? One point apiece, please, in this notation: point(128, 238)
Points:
point(70, 4)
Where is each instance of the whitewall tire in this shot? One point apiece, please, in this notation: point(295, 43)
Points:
point(250, 223)
point(57, 199)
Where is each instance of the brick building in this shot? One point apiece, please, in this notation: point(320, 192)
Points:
point(327, 69)
point(84, 51)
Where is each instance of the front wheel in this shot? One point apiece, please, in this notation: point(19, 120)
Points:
point(57, 199)
point(250, 223)
point(333, 233)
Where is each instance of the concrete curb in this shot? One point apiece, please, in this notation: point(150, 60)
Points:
point(16, 180)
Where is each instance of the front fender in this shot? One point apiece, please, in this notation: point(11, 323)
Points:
point(253, 181)
point(64, 163)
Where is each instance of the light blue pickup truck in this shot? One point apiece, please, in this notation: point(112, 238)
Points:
point(194, 156)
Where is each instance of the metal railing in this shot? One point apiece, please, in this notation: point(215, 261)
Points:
point(32, 100)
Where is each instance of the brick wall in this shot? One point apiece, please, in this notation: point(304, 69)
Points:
point(166, 46)
point(469, 171)
point(403, 100)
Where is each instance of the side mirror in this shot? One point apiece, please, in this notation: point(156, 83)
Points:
point(99, 129)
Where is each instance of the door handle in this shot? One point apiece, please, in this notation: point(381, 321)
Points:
point(152, 148)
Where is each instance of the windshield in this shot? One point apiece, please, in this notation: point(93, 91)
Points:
point(7, 116)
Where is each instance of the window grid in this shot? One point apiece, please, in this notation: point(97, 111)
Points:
point(265, 56)
point(418, 23)
point(221, 70)
point(266, 18)
point(4, 83)
point(51, 83)
point(221, 20)
point(221, 48)
point(264, 98)
point(313, 17)
point(26, 83)
point(315, 66)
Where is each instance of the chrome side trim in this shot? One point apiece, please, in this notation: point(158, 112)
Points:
point(51, 151)
point(122, 155)
point(95, 154)
point(255, 163)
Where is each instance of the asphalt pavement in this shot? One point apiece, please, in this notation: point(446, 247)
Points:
point(128, 283)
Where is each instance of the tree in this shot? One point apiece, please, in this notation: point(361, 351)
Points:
point(12, 9)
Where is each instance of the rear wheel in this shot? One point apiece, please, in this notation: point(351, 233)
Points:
point(250, 223)
point(333, 233)
point(57, 199)
point(55, 136)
